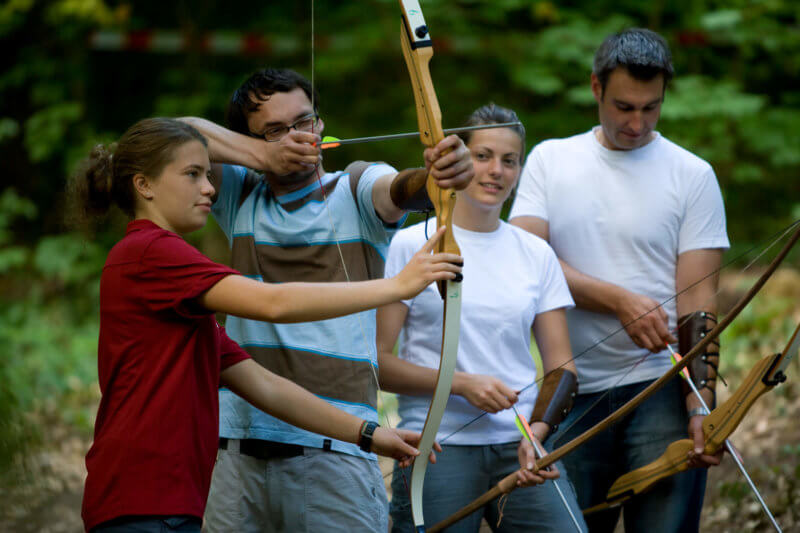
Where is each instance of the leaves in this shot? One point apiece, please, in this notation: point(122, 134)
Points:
point(12, 14)
point(722, 19)
point(45, 130)
point(539, 79)
point(8, 128)
point(697, 97)
point(68, 258)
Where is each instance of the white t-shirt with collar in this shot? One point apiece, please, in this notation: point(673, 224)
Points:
point(510, 276)
point(622, 217)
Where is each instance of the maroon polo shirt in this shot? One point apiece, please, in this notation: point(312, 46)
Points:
point(160, 355)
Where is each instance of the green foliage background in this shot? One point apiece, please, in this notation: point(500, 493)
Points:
point(735, 101)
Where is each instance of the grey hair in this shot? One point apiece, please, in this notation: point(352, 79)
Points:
point(642, 52)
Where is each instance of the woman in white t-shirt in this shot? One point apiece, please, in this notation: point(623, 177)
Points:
point(512, 283)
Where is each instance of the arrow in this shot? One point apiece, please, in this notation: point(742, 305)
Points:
point(333, 142)
point(525, 429)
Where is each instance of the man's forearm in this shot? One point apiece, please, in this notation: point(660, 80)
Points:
point(696, 283)
point(591, 293)
point(697, 280)
point(226, 146)
point(382, 200)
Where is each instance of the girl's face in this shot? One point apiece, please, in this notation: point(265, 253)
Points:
point(179, 199)
point(496, 157)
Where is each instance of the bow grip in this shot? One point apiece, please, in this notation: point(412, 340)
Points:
point(723, 420)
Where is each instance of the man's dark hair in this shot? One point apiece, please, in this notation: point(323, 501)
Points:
point(643, 53)
point(258, 88)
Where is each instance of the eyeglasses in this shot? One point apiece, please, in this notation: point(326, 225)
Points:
point(276, 133)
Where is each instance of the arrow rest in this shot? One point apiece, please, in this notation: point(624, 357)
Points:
point(779, 376)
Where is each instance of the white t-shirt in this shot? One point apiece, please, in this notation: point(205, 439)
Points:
point(509, 277)
point(622, 217)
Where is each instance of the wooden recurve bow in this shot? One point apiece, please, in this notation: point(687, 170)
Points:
point(418, 51)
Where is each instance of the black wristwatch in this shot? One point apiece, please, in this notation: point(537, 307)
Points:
point(365, 440)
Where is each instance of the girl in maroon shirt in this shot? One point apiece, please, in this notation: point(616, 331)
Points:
point(162, 356)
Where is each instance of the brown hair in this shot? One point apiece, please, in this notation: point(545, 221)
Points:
point(105, 178)
point(494, 114)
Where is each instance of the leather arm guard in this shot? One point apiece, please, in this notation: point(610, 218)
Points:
point(408, 190)
point(556, 397)
point(703, 369)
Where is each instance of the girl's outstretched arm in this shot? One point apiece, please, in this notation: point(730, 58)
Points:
point(305, 302)
point(293, 404)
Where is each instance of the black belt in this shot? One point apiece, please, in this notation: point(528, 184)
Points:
point(264, 449)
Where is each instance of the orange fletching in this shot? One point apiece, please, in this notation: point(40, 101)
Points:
point(676, 358)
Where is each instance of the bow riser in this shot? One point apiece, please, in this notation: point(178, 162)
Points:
point(429, 115)
point(724, 420)
point(672, 461)
point(417, 54)
point(763, 377)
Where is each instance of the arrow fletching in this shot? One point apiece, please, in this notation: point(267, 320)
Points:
point(522, 425)
point(330, 142)
point(676, 358)
point(520, 428)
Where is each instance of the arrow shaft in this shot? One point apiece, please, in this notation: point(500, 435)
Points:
point(539, 455)
point(527, 433)
point(358, 140)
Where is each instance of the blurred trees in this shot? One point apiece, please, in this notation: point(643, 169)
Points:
point(735, 101)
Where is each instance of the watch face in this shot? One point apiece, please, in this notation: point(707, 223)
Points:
point(365, 442)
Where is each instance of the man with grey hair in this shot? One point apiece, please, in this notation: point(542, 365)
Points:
point(635, 220)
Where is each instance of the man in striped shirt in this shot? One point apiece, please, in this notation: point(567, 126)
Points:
point(296, 222)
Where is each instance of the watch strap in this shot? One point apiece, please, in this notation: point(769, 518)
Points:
point(697, 411)
point(368, 427)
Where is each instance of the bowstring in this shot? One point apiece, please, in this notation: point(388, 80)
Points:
point(780, 235)
point(367, 345)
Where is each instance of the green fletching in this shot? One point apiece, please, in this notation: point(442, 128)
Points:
point(684, 371)
point(520, 428)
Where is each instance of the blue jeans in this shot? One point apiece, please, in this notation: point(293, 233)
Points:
point(462, 473)
point(150, 524)
point(673, 504)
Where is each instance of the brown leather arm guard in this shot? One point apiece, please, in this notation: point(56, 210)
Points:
point(408, 190)
point(556, 397)
point(703, 369)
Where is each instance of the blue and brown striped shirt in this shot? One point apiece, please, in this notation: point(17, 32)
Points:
point(294, 237)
